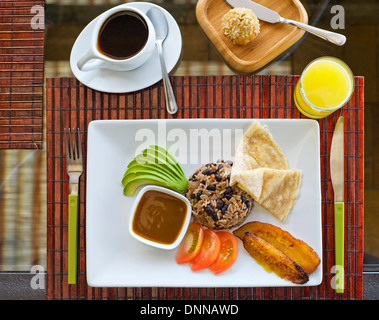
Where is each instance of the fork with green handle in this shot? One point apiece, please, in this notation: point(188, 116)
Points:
point(74, 170)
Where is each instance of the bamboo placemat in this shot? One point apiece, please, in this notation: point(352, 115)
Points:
point(21, 73)
point(71, 104)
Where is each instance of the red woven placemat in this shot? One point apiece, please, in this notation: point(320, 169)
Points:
point(21, 73)
point(70, 104)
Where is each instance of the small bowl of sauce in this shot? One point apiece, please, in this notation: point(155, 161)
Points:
point(160, 217)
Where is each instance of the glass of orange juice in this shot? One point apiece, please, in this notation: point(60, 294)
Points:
point(325, 85)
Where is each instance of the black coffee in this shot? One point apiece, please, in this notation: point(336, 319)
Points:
point(122, 35)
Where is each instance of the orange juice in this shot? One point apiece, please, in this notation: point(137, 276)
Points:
point(326, 84)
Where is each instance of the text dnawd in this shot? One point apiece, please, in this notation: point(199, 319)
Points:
point(201, 309)
point(211, 309)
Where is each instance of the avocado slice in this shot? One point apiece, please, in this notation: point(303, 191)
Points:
point(154, 165)
point(164, 153)
point(144, 170)
point(151, 167)
point(149, 158)
point(171, 159)
point(170, 156)
point(132, 184)
point(162, 156)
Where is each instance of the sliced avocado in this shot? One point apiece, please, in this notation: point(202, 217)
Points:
point(152, 166)
point(170, 158)
point(148, 158)
point(143, 170)
point(160, 156)
point(132, 184)
point(164, 153)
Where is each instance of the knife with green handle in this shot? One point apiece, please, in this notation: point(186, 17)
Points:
point(72, 237)
point(339, 244)
point(337, 174)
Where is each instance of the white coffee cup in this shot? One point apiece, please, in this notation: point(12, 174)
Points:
point(106, 62)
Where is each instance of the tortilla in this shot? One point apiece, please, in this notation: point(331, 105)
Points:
point(257, 149)
point(275, 189)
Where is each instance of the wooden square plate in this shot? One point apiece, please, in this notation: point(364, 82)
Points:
point(273, 39)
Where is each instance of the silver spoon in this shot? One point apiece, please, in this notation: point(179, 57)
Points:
point(161, 29)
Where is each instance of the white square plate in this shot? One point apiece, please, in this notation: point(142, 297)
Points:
point(116, 259)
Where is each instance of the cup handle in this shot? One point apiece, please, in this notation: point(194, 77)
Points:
point(84, 59)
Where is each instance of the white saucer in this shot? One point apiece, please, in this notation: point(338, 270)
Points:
point(127, 81)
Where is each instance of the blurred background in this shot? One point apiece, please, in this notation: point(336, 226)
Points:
point(22, 172)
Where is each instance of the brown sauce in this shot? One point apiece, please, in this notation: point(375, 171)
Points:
point(159, 217)
point(122, 35)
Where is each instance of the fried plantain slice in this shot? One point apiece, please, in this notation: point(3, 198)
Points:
point(273, 260)
point(296, 249)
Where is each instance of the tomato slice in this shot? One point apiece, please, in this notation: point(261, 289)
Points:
point(228, 252)
point(209, 251)
point(191, 244)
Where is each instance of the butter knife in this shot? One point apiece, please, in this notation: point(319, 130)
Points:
point(271, 16)
point(337, 174)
